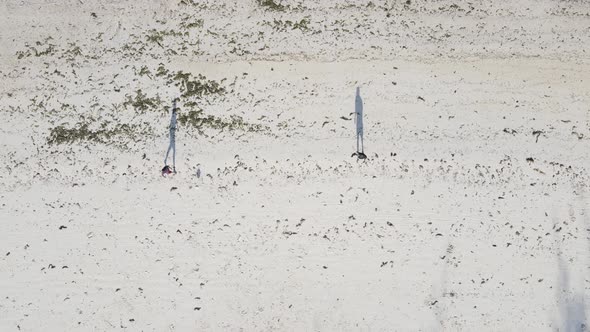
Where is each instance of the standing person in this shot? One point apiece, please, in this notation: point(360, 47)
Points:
point(358, 119)
point(172, 145)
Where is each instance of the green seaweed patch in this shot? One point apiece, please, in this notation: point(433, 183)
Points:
point(162, 71)
point(142, 102)
point(41, 48)
point(49, 49)
point(197, 120)
point(145, 71)
point(155, 36)
point(193, 25)
point(280, 25)
point(272, 5)
point(71, 53)
point(83, 133)
point(198, 86)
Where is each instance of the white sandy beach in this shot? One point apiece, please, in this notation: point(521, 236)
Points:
point(471, 212)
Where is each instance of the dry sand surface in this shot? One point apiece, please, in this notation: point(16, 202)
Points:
point(471, 212)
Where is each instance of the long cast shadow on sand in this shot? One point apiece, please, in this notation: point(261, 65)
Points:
point(570, 298)
point(572, 306)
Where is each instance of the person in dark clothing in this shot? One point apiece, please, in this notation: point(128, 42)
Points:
point(172, 145)
point(358, 119)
